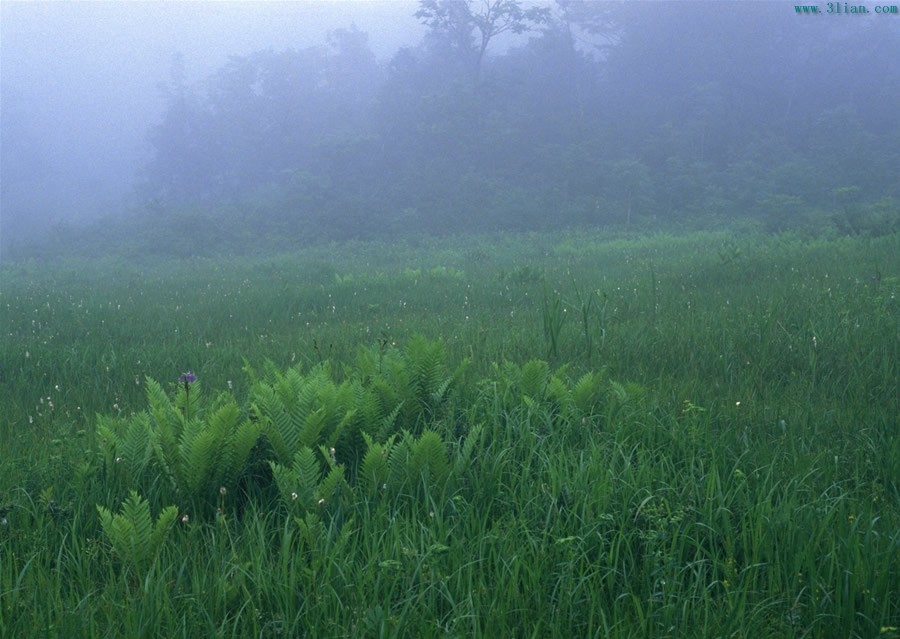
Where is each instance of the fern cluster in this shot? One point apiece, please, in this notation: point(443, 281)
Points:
point(196, 447)
point(535, 396)
point(304, 486)
point(135, 537)
point(386, 429)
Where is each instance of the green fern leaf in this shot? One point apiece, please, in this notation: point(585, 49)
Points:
point(373, 471)
point(240, 446)
point(398, 464)
point(134, 448)
point(533, 378)
point(307, 469)
point(132, 533)
point(108, 438)
point(428, 461)
point(161, 407)
point(466, 453)
point(274, 421)
point(162, 527)
point(312, 426)
point(426, 362)
point(328, 488)
point(586, 393)
point(299, 482)
point(557, 392)
point(286, 481)
point(199, 459)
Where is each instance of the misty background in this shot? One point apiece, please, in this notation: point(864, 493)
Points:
point(198, 127)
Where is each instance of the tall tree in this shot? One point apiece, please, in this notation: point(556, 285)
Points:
point(468, 27)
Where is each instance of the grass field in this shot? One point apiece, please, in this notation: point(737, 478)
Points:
point(555, 435)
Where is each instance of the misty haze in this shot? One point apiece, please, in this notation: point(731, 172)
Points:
point(483, 318)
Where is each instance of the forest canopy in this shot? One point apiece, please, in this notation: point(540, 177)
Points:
point(519, 116)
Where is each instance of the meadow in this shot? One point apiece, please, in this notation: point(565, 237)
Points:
point(536, 435)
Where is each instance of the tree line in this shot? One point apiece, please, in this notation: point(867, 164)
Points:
point(626, 114)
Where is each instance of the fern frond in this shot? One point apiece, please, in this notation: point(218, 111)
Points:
point(426, 362)
point(428, 460)
point(533, 379)
point(162, 527)
point(273, 420)
point(161, 408)
point(398, 463)
point(166, 426)
point(307, 470)
point(586, 393)
point(557, 392)
point(199, 459)
point(618, 391)
point(108, 438)
point(132, 533)
point(466, 453)
point(329, 486)
point(373, 470)
point(299, 482)
point(388, 424)
point(240, 446)
point(222, 424)
point(311, 427)
point(134, 447)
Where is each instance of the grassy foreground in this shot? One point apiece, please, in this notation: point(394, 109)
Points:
point(517, 436)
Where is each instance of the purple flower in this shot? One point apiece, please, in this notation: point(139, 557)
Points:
point(187, 378)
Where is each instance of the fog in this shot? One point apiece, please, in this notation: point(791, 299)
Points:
point(242, 126)
point(80, 86)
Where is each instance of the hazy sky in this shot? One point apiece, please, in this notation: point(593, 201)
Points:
point(85, 75)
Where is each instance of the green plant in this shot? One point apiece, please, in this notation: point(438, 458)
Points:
point(197, 447)
point(302, 411)
point(554, 314)
point(712, 479)
point(586, 302)
point(302, 485)
point(135, 537)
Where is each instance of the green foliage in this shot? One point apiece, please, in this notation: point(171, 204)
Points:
point(427, 460)
point(411, 387)
point(125, 445)
point(873, 219)
point(540, 392)
point(135, 537)
point(554, 314)
point(730, 471)
point(522, 275)
point(302, 485)
point(587, 395)
point(195, 447)
point(299, 411)
point(374, 470)
point(421, 467)
point(321, 544)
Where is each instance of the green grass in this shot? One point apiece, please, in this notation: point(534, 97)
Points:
point(730, 469)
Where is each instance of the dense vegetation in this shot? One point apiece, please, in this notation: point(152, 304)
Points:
point(597, 114)
point(557, 435)
point(411, 348)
